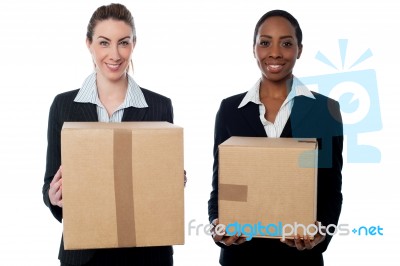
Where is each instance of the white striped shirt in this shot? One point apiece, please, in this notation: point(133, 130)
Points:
point(88, 94)
point(275, 129)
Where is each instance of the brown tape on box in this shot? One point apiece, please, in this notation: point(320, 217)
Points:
point(124, 188)
point(232, 192)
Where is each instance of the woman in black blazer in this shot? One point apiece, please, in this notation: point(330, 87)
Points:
point(107, 95)
point(278, 105)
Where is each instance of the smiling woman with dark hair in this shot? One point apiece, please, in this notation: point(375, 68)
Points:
point(279, 105)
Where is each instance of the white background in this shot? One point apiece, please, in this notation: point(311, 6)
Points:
point(197, 53)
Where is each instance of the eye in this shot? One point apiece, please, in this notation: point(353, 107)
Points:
point(124, 43)
point(287, 44)
point(104, 43)
point(264, 43)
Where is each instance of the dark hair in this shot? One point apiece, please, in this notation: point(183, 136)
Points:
point(111, 11)
point(284, 14)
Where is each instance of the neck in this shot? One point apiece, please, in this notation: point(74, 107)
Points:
point(111, 88)
point(275, 89)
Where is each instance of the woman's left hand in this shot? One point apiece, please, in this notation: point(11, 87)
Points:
point(304, 243)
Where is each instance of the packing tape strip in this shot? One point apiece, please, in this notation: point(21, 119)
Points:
point(123, 183)
point(231, 192)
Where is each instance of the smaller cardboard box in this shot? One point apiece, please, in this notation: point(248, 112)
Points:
point(268, 186)
point(122, 184)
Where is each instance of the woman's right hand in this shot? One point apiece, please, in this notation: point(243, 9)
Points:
point(219, 235)
point(55, 190)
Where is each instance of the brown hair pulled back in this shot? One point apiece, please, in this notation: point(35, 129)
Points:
point(111, 11)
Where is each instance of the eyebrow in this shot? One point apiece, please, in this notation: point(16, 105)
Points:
point(282, 37)
point(110, 40)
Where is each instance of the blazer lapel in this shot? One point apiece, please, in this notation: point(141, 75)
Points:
point(134, 114)
point(287, 130)
point(251, 113)
point(301, 107)
point(84, 112)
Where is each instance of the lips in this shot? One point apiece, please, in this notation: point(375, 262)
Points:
point(113, 67)
point(274, 68)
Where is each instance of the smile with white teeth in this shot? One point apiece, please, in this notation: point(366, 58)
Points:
point(274, 68)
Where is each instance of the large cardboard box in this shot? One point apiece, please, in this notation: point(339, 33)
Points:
point(122, 184)
point(268, 186)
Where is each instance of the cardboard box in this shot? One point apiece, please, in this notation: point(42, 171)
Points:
point(122, 184)
point(266, 185)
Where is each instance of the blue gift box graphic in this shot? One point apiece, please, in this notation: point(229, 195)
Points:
point(357, 93)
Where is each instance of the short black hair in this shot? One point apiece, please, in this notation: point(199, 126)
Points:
point(284, 14)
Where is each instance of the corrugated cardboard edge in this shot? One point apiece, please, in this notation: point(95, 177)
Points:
point(316, 181)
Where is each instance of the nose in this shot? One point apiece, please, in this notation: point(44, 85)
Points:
point(114, 53)
point(275, 51)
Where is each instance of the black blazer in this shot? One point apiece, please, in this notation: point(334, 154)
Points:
point(311, 118)
point(64, 109)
